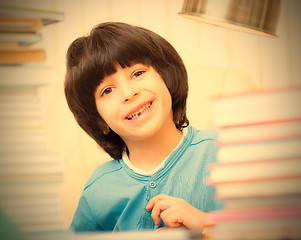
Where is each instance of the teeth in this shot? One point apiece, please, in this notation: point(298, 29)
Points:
point(138, 113)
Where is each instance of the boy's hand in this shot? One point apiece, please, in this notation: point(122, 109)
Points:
point(176, 212)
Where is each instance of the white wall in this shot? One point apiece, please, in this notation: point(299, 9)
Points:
point(218, 61)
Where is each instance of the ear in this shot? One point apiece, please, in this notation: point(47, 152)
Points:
point(106, 130)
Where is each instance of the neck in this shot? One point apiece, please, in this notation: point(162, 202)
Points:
point(149, 153)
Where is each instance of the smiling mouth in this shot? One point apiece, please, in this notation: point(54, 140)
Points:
point(139, 112)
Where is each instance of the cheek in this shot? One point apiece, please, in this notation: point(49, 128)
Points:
point(108, 112)
point(168, 103)
point(167, 97)
point(105, 115)
point(102, 111)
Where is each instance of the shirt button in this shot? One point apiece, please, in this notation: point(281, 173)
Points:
point(152, 184)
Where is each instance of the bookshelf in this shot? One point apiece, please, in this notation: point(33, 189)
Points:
point(31, 170)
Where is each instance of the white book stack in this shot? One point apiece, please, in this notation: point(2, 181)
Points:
point(258, 173)
point(31, 171)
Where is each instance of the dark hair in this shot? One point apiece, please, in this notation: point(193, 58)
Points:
point(109, 45)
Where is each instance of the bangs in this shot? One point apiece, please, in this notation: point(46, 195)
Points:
point(123, 58)
point(113, 48)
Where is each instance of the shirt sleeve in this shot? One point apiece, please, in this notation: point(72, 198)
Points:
point(83, 219)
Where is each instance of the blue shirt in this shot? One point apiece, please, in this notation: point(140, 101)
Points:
point(115, 197)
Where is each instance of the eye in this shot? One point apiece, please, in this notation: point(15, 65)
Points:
point(106, 91)
point(138, 73)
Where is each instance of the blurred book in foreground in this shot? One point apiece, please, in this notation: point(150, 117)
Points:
point(258, 172)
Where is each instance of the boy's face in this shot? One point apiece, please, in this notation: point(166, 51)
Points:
point(135, 103)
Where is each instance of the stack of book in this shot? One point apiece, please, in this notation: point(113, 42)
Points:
point(31, 171)
point(19, 31)
point(258, 173)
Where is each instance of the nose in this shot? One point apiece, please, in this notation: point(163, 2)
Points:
point(128, 89)
point(131, 94)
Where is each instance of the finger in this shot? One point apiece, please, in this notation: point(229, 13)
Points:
point(159, 206)
point(153, 200)
point(162, 228)
point(171, 218)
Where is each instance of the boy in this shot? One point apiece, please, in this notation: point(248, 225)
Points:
point(127, 88)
